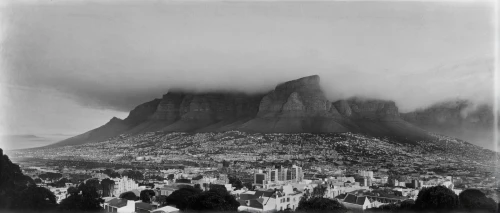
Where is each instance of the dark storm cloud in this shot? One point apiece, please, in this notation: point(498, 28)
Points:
point(118, 56)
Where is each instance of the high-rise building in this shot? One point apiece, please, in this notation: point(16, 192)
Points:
point(415, 183)
point(124, 185)
point(281, 174)
point(365, 173)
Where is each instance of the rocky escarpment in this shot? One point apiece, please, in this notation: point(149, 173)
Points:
point(301, 106)
point(373, 109)
point(295, 106)
point(183, 112)
point(298, 98)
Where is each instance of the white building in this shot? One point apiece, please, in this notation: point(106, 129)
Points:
point(365, 173)
point(124, 185)
point(119, 205)
point(269, 201)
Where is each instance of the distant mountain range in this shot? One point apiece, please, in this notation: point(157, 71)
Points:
point(22, 141)
point(297, 106)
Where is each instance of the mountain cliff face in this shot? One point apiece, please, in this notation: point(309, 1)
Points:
point(292, 107)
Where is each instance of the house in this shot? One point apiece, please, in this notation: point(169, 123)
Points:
point(257, 201)
point(167, 190)
point(270, 200)
point(141, 207)
point(356, 203)
point(119, 205)
point(123, 185)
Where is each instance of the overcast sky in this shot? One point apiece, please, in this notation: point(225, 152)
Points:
point(70, 67)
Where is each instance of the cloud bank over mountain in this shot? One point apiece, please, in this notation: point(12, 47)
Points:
point(117, 56)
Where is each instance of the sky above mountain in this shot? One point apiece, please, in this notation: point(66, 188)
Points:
point(70, 66)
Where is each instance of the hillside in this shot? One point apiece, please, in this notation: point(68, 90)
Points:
point(459, 118)
point(297, 106)
point(334, 149)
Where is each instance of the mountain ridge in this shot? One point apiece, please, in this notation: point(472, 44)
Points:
point(296, 106)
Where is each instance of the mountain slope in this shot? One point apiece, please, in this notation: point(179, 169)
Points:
point(459, 118)
point(297, 106)
point(114, 127)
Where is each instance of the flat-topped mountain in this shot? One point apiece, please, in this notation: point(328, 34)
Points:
point(297, 106)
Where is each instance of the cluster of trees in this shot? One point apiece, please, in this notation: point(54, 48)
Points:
point(111, 173)
point(129, 196)
point(314, 201)
point(83, 198)
point(107, 186)
point(238, 184)
point(132, 174)
point(190, 198)
point(442, 199)
point(50, 176)
point(59, 183)
point(183, 180)
point(157, 177)
point(19, 192)
point(320, 204)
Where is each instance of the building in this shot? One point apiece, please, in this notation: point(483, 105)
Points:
point(365, 173)
point(141, 207)
point(270, 200)
point(281, 175)
point(119, 205)
point(356, 203)
point(124, 185)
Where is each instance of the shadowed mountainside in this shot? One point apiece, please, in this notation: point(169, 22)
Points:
point(292, 107)
point(459, 118)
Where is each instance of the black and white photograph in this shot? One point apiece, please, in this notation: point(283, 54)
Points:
point(240, 106)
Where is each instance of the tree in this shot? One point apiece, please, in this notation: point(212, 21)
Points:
point(84, 198)
point(183, 181)
point(437, 198)
point(318, 191)
point(107, 187)
point(36, 198)
point(12, 183)
point(320, 204)
point(407, 205)
point(61, 182)
point(215, 199)
point(136, 175)
point(72, 190)
point(197, 186)
point(129, 196)
point(474, 199)
point(111, 173)
point(235, 182)
point(170, 176)
point(162, 200)
point(146, 195)
point(248, 185)
point(38, 180)
point(180, 197)
point(50, 176)
point(92, 183)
